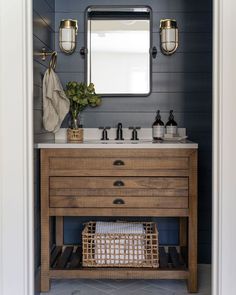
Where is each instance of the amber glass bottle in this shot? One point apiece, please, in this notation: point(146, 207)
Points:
point(158, 128)
point(171, 125)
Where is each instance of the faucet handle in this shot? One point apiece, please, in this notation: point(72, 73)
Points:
point(119, 132)
point(104, 132)
point(134, 132)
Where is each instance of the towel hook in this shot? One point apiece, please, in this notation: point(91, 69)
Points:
point(43, 54)
point(53, 61)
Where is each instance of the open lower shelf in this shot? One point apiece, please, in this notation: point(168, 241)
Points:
point(66, 262)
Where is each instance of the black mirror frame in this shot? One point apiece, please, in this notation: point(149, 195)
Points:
point(152, 51)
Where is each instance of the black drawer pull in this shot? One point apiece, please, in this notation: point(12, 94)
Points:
point(118, 163)
point(118, 202)
point(118, 183)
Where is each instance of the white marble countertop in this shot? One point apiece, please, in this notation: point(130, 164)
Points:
point(92, 140)
point(111, 144)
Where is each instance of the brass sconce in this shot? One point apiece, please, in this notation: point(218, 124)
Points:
point(67, 35)
point(169, 35)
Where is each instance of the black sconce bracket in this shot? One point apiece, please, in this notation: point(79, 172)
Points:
point(83, 51)
point(154, 52)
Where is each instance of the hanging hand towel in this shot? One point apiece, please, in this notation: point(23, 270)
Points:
point(55, 103)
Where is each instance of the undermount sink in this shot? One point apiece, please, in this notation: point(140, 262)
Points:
point(112, 141)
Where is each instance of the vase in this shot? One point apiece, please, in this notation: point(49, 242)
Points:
point(74, 123)
point(75, 132)
point(74, 119)
point(75, 135)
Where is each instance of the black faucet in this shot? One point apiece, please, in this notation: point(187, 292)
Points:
point(119, 132)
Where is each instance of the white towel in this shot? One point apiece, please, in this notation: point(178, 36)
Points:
point(119, 228)
point(119, 250)
point(55, 103)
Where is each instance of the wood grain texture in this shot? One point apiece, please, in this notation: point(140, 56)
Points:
point(111, 182)
point(59, 230)
point(110, 202)
point(118, 192)
point(119, 274)
point(120, 172)
point(45, 224)
point(70, 163)
point(183, 225)
point(125, 212)
point(141, 196)
point(192, 226)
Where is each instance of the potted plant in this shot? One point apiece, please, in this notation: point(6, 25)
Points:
point(80, 96)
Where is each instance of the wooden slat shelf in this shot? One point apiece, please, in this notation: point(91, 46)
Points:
point(66, 262)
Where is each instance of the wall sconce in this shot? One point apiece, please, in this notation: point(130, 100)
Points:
point(67, 35)
point(169, 34)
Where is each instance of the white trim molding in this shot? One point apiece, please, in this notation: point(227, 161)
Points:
point(16, 148)
point(224, 148)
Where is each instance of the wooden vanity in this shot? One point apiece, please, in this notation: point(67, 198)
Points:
point(144, 182)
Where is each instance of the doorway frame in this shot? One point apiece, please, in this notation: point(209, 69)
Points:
point(16, 152)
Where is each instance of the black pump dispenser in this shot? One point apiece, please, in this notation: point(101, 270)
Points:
point(171, 125)
point(158, 128)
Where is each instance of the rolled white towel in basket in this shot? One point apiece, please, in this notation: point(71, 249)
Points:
point(123, 249)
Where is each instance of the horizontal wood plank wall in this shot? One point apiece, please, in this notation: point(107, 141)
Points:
point(43, 36)
point(182, 82)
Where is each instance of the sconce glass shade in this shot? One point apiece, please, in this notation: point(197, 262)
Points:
point(169, 36)
point(67, 35)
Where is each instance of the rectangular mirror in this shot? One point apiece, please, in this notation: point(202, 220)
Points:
point(118, 50)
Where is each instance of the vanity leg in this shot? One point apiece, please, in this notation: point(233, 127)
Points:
point(192, 255)
point(183, 238)
point(59, 231)
point(192, 227)
point(183, 231)
point(45, 225)
point(45, 253)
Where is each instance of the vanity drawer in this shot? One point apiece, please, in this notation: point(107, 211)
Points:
point(118, 202)
point(118, 163)
point(118, 182)
point(124, 186)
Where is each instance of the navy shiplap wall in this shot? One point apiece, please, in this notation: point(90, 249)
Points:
point(43, 36)
point(182, 82)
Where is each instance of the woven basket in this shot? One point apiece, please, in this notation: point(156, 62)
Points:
point(75, 135)
point(122, 249)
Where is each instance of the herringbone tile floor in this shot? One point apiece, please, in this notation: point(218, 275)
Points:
point(130, 287)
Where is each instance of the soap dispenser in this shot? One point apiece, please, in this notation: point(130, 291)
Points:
point(158, 128)
point(171, 125)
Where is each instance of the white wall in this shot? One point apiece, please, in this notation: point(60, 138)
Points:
point(224, 147)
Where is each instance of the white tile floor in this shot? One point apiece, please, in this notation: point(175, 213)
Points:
point(130, 287)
